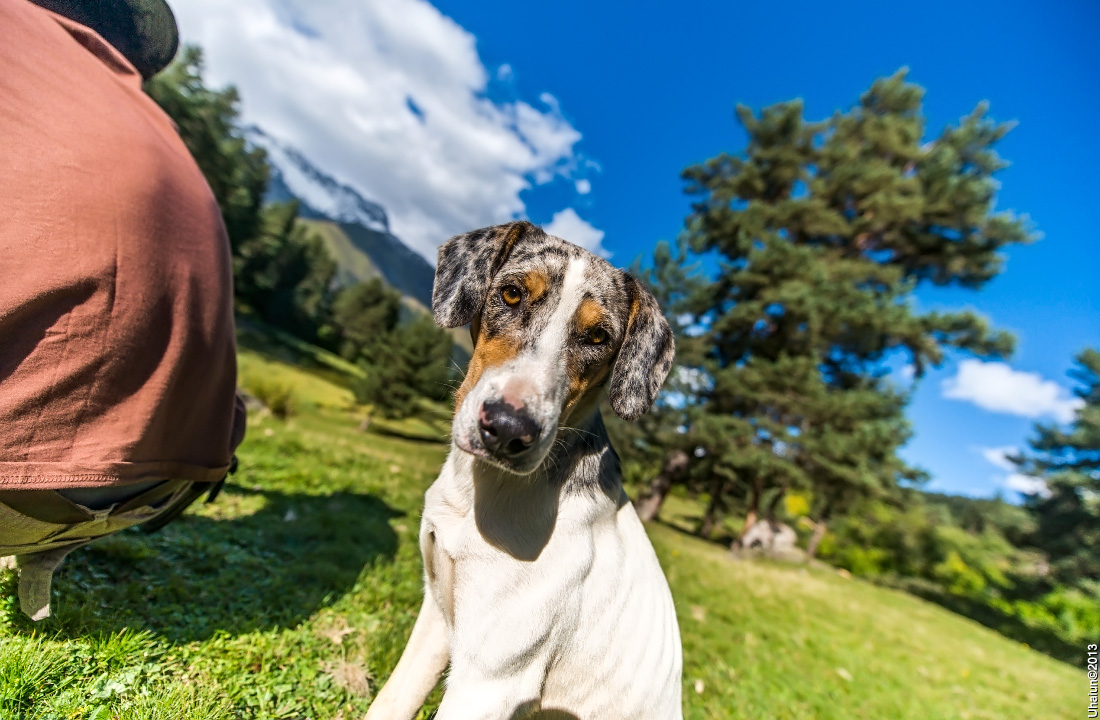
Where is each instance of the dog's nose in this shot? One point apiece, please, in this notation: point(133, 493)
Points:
point(505, 430)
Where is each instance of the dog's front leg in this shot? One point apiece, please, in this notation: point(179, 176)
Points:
point(423, 661)
point(478, 696)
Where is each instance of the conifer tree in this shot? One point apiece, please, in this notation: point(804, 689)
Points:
point(363, 314)
point(411, 362)
point(280, 269)
point(1068, 460)
point(822, 230)
point(207, 122)
point(656, 446)
point(285, 273)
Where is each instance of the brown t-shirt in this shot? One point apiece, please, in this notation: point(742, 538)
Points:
point(117, 352)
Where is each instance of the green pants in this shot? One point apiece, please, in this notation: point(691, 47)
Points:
point(40, 527)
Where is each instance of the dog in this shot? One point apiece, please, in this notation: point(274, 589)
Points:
point(542, 591)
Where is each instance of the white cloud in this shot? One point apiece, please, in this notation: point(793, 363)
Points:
point(998, 456)
point(1025, 484)
point(568, 225)
point(996, 387)
point(336, 80)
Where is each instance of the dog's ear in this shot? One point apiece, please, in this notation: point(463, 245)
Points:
point(466, 266)
point(645, 356)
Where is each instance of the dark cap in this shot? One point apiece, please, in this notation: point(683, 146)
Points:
point(144, 31)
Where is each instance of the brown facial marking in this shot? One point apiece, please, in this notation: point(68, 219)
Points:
point(589, 315)
point(536, 283)
point(488, 352)
point(584, 379)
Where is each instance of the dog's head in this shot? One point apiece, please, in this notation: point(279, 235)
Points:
point(552, 325)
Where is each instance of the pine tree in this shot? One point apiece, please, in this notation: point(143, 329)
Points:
point(410, 363)
point(207, 122)
point(822, 230)
point(285, 273)
point(280, 269)
point(658, 441)
point(1068, 514)
point(362, 314)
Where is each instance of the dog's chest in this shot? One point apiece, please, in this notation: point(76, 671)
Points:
point(487, 567)
point(592, 609)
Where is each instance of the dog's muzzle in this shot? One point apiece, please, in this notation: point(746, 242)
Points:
point(506, 431)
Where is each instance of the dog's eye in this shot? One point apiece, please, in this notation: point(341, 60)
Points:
point(597, 336)
point(511, 295)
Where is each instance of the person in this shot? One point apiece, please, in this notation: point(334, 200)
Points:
point(117, 350)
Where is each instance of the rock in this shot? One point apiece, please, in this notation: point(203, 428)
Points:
point(251, 402)
point(771, 538)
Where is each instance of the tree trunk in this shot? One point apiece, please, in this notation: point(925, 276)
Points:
point(649, 503)
point(779, 494)
point(815, 539)
point(753, 515)
point(710, 517)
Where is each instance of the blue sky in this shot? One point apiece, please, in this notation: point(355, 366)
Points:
point(455, 115)
point(652, 86)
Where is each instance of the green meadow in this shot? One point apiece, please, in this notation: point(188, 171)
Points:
point(292, 595)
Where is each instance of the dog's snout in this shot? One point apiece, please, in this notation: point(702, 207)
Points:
point(506, 431)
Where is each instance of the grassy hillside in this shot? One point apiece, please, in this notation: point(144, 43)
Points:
point(362, 254)
point(353, 265)
point(292, 595)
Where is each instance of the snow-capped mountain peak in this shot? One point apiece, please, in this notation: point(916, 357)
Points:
point(321, 195)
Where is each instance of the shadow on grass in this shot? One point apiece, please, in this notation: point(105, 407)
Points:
point(392, 431)
point(272, 567)
point(273, 344)
point(1040, 639)
point(680, 525)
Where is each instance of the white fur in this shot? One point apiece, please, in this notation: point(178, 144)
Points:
point(543, 596)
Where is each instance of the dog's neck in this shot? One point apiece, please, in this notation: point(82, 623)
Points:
point(517, 513)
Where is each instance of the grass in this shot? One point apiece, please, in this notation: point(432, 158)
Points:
point(354, 264)
point(292, 595)
point(289, 376)
point(767, 640)
point(281, 599)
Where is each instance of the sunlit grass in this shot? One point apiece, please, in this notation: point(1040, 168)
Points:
point(292, 596)
point(764, 640)
point(265, 377)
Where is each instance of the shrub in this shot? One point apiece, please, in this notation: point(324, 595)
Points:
point(277, 397)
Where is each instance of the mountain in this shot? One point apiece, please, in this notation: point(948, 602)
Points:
point(322, 196)
point(355, 230)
